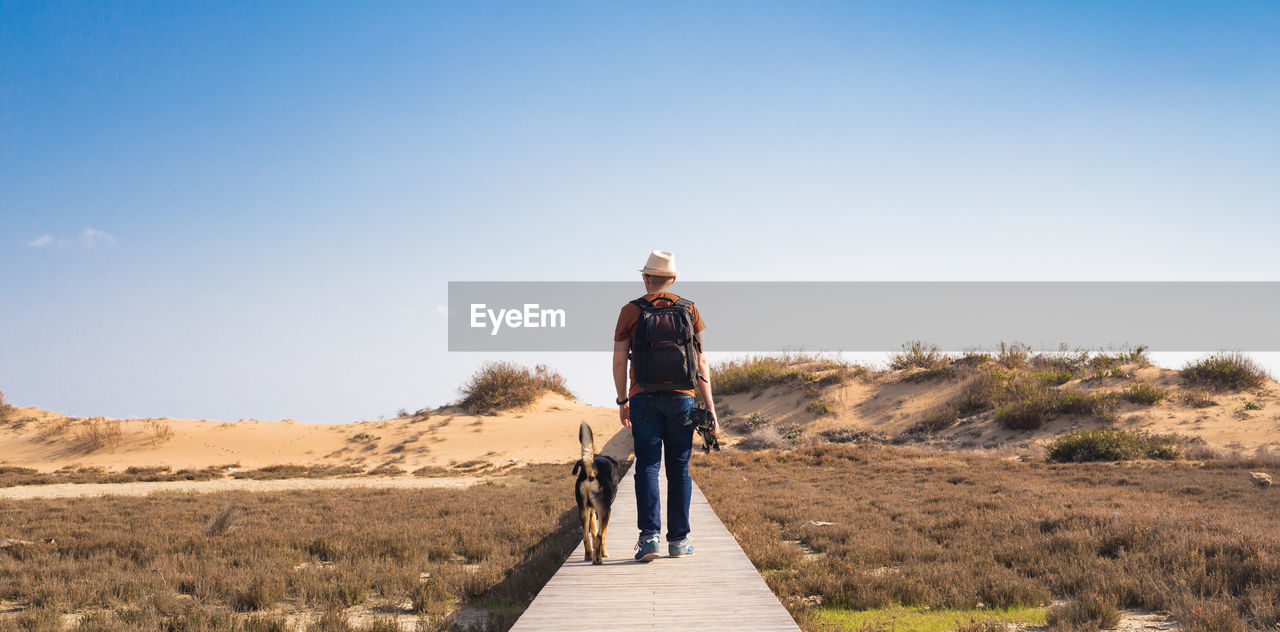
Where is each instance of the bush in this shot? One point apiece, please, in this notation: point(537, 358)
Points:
point(820, 407)
point(1145, 394)
point(1225, 371)
point(1013, 356)
point(1109, 445)
point(506, 385)
point(919, 355)
point(5, 408)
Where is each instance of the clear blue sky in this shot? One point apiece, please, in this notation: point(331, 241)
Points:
point(231, 209)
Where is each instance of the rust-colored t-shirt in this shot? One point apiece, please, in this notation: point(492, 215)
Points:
point(626, 329)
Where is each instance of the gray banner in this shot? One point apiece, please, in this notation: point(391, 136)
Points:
point(880, 316)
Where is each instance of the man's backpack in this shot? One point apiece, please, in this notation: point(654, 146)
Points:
point(664, 349)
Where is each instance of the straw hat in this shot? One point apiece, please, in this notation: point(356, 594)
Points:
point(660, 263)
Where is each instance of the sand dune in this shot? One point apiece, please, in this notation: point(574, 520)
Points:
point(546, 432)
point(889, 404)
point(461, 442)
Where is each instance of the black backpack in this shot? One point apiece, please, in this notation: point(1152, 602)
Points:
point(664, 349)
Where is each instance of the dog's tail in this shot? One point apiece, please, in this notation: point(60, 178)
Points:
point(588, 450)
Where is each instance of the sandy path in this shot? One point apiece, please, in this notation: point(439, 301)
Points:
point(77, 490)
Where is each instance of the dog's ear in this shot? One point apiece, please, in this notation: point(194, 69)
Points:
point(611, 459)
point(577, 465)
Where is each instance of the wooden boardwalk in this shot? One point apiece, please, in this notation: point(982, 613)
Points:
point(716, 589)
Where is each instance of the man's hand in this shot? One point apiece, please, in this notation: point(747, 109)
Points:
point(715, 421)
point(624, 414)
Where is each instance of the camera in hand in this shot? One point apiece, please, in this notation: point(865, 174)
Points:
point(705, 423)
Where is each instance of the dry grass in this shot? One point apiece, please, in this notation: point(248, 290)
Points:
point(949, 530)
point(159, 430)
point(98, 434)
point(5, 408)
point(13, 476)
point(314, 470)
point(180, 563)
point(501, 386)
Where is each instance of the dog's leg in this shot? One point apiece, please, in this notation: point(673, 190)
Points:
point(588, 538)
point(604, 529)
point(595, 536)
point(598, 551)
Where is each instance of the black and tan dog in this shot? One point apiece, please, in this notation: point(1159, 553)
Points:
point(595, 488)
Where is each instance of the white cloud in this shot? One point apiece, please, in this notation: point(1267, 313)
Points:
point(41, 241)
point(91, 237)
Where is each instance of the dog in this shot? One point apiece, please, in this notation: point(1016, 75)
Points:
point(595, 489)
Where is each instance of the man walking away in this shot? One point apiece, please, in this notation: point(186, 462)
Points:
point(660, 334)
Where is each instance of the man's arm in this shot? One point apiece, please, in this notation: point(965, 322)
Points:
point(620, 348)
point(704, 384)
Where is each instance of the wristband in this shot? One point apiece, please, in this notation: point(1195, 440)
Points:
point(622, 400)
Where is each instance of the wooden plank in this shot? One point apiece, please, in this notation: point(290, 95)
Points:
point(716, 589)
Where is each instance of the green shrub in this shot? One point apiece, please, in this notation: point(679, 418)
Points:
point(973, 358)
point(1225, 371)
point(1109, 445)
point(1013, 356)
point(820, 407)
point(506, 385)
point(1054, 377)
point(920, 355)
point(1062, 361)
point(755, 373)
point(1148, 394)
point(1252, 406)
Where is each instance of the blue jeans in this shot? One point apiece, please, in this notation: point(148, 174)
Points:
point(657, 422)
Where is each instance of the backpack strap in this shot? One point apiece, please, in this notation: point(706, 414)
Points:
point(642, 303)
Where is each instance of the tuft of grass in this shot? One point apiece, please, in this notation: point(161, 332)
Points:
point(917, 354)
point(1225, 371)
point(1085, 613)
point(1199, 399)
point(1147, 394)
point(159, 430)
point(224, 521)
point(1110, 445)
point(1013, 355)
point(820, 407)
point(96, 434)
point(498, 386)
